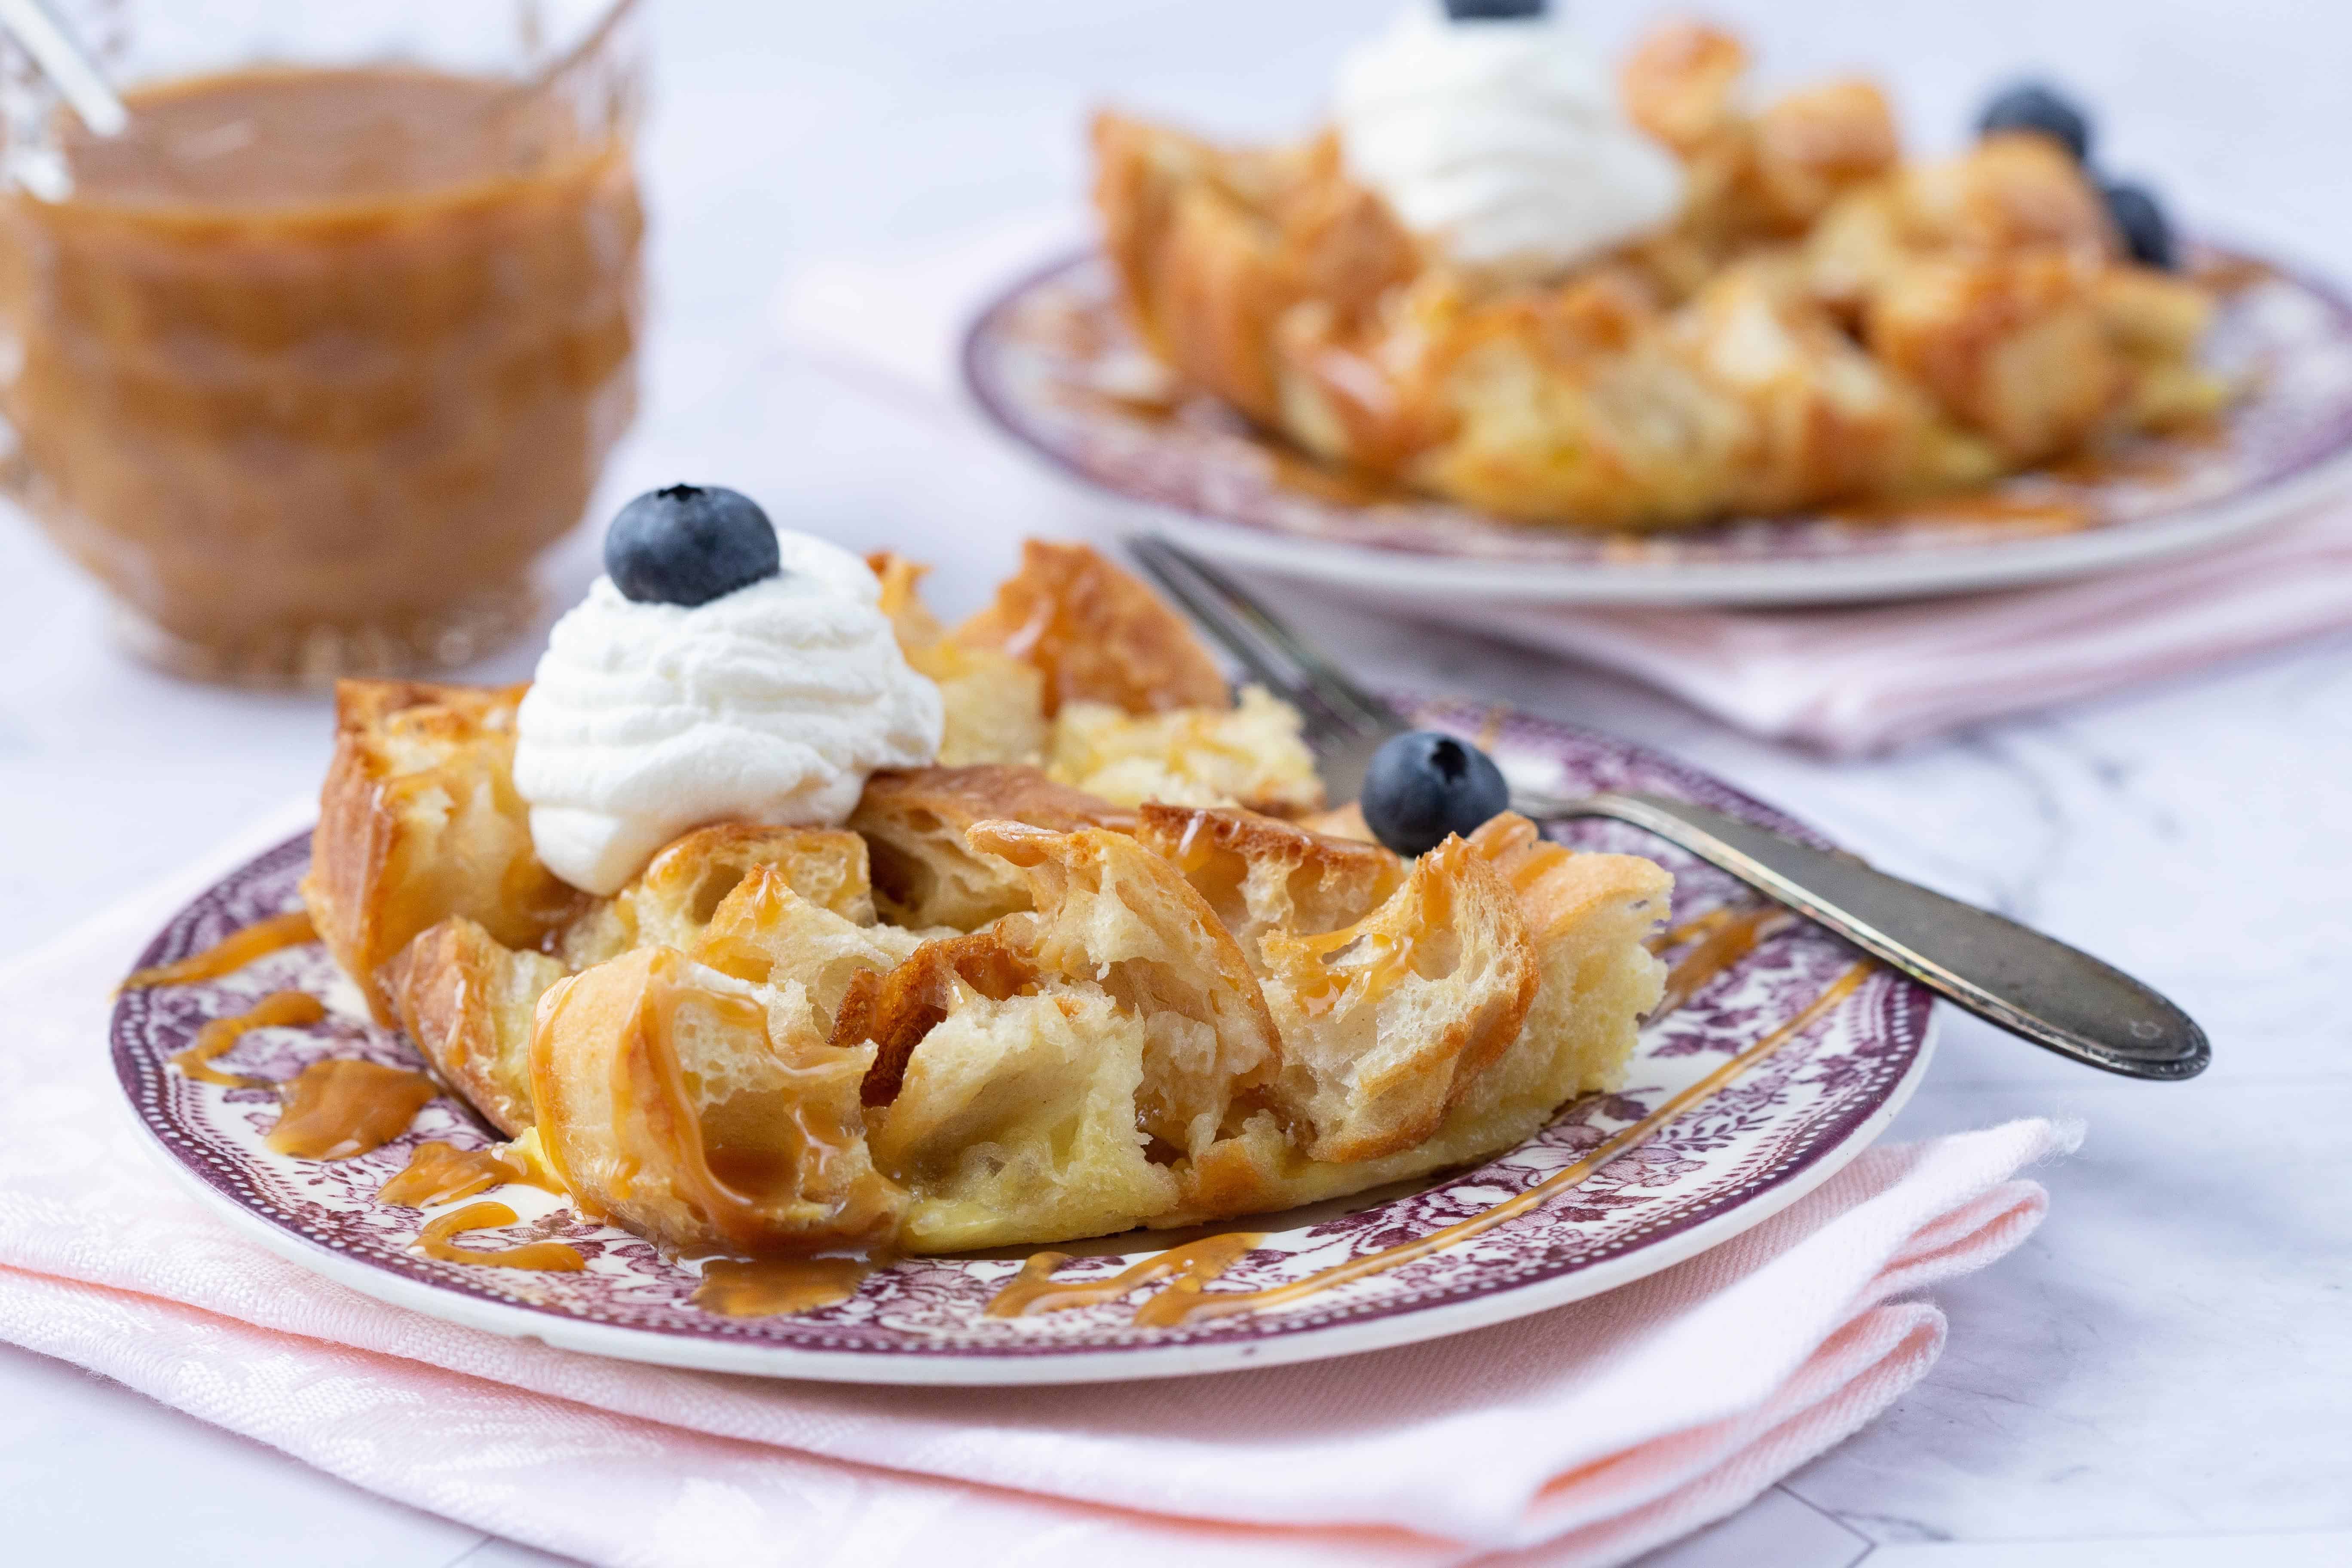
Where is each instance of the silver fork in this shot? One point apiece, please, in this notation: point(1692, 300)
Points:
point(2030, 985)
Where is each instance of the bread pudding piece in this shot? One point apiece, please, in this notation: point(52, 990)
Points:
point(1096, 634)
point(1111, 914)
point(1587, 918)
point(926, 874)
point(1249, 755)
point(1262, 875)
point(1821, 324)
point(467, 1001)
point(669, 902)
point(1386, 1024)
point(994, 703)
point(1138, 710)
point(678, 1102)
point(697, 1095)
point(419, 821)
point(1016, 1124)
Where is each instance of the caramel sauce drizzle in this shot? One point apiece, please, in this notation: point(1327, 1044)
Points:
point(441, 1173)
point(279, 1009)
point(333, 1110)
point(231, 953)
point(437, 1241)
point(1722, 942)
point(1034, 1289)
point(340, 1108)
point(770, 1287)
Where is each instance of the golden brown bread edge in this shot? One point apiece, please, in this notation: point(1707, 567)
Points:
point(419, 821)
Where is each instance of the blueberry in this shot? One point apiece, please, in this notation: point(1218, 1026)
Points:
point(1493, 10)
point(1423, 785)
point(689, 544)
point(2031, 106)
point(2147, 233)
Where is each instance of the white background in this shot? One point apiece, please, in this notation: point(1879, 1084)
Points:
point(2164, 1375)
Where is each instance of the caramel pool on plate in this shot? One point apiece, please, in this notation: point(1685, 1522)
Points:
point(310, 364)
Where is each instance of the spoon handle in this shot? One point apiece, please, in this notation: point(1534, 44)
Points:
point(2029, 984)
point(61, 58)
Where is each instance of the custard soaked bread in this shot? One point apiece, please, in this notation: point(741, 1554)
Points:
point(1811, 320)
point(992, 1007)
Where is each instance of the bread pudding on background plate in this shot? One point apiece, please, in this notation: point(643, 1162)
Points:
point(1499, 277)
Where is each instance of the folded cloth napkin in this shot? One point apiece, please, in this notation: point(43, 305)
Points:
point(1844, 681)
point(1582, 1436)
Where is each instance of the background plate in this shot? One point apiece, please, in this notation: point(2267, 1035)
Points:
point(1721, 1167)
point(1052, 363)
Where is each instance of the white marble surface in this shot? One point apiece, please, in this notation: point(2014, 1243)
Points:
point(2163, 1376)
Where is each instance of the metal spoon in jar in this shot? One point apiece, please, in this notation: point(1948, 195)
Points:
point(68, 68)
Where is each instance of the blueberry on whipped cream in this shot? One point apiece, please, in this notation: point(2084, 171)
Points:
point(689, 544)
point(1494, 133)
point(722, 671)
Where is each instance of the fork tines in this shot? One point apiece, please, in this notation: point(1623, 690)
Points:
point(1334, 706)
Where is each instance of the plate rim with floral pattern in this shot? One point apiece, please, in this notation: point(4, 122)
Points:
point(1197, 473)
point(1724, 1165)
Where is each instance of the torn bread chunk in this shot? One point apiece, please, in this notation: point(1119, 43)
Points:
point(1263, 875)
point(1015, 1123)
point(1387, 1023)
point(913, 820)
point(669, 901)
point(467, 1000)
point(1096, 634)
point(994, 703)
point(419, 821)
point(669, 1102)
point(1111, 913)
point(1250, 754)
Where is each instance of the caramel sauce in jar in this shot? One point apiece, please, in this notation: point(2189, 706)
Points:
point(308, 364)
point(340, 1108)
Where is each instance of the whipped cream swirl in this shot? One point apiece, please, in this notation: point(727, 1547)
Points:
point(1501, 141)
point(771, 704)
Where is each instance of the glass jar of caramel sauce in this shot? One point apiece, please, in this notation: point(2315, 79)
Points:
point(310, 361)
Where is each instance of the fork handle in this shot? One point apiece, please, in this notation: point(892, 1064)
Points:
point(2030, 985)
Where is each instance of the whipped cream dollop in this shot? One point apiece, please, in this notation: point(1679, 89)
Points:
point(1501, 141)
point(771, 704)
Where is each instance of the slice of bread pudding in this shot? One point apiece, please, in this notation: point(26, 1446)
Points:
point(997, 1007)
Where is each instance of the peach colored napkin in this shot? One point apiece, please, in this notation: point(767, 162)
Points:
point(1585, 1434)
point(1844, 681)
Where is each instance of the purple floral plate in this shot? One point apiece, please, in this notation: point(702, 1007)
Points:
point(1053, 363)
point(1724, 1164)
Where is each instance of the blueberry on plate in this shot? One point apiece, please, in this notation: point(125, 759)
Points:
point(2147, 233)
point(2032, 106)
point(689, 544)
point(1423, 785)
point(1493, 10)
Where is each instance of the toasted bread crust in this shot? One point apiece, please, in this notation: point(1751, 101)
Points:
point(1096, 634)
point(895, 1011)
point(467, 1002)
point(418, 821)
